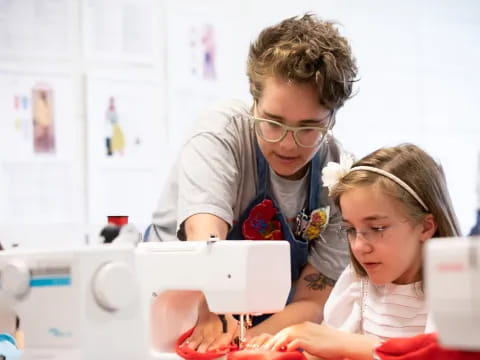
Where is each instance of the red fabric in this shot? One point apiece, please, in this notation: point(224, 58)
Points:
point(421, 347)
point(233, 352)
point(265, 355)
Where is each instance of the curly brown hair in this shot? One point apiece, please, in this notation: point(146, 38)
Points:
point(304, 50)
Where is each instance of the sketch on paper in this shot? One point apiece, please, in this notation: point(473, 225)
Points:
point(22, 123)
point(123, 120)
point(43, 119)
point(208, 41)
point(202, 46)
point(114, 137)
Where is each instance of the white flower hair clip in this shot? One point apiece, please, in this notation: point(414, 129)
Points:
point(333, 172)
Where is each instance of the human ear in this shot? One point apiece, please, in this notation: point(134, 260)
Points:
point(429, 227)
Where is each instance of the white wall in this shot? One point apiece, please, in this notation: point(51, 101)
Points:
point(418, 83)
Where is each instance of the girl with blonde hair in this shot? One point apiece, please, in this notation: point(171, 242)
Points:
point(392, 201)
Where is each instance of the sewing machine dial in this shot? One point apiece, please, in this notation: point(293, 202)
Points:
point(113, 286)
point(15, 278)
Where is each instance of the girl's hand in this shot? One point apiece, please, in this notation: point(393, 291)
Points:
point(323, 341)
point(257, 341)
point(318, 340)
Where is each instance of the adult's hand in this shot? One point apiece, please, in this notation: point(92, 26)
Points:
point(208, 333)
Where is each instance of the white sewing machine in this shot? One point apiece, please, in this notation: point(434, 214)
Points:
point(452, 279)
point(133, 303)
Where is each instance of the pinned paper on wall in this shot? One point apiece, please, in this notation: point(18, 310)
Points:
point(127, 135)
point(36, 28)
point(201, 40)
point(37, 116)
point(39, 164)
point(203, 65)
point(119, 30)
point(124, 120)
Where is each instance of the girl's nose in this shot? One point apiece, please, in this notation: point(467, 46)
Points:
point(360, 245)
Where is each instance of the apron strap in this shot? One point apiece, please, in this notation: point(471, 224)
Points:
point(262, 172)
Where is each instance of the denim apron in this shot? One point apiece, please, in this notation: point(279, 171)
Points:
point(298, 246)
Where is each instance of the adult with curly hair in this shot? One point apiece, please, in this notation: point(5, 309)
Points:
point(252, 171)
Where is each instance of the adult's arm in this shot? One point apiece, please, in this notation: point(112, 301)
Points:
point(208, 181)
point(310, 294)
point(202, 226)
point(208, 332)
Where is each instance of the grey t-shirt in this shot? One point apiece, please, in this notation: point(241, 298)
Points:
point(290, 195)
point(216, 174)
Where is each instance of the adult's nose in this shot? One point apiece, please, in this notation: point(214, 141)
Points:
point(289, 142)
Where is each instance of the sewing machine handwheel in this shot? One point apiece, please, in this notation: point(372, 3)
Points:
point(113, 286)
point(15, 278)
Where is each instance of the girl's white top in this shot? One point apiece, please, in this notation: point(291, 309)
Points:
point(387, 311)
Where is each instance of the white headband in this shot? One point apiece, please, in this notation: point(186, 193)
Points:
point(333, 172)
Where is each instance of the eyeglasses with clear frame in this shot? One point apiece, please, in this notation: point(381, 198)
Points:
point(305, 136)
point(373, 235)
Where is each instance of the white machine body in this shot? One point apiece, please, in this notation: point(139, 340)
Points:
point(123, 303)
point(452, 282)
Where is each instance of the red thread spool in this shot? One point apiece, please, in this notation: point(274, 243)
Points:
point(118, 220)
